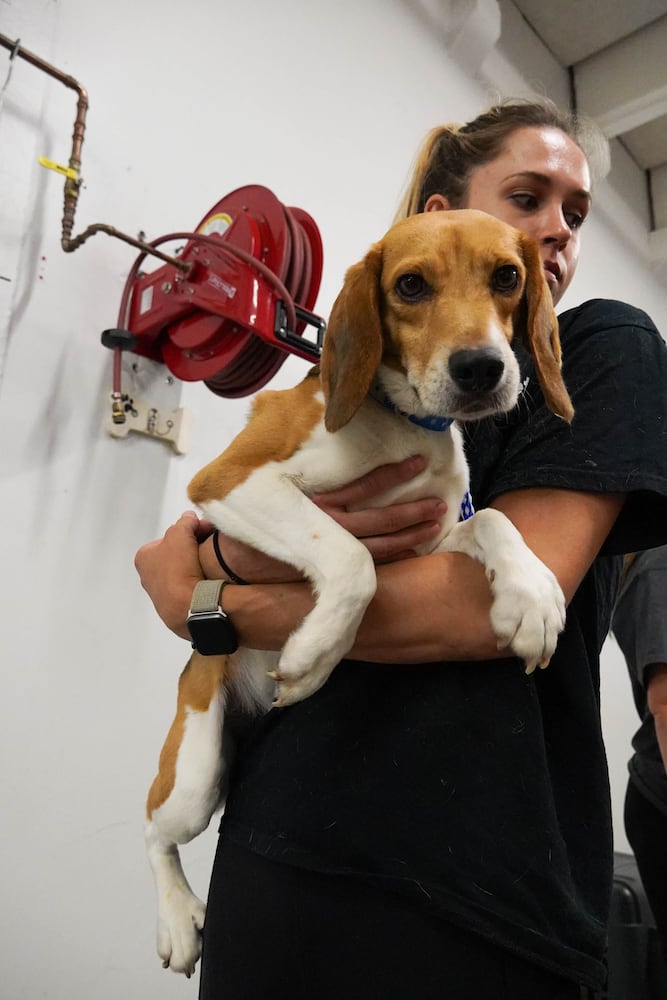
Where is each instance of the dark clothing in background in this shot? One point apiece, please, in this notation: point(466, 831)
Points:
point(640, 627)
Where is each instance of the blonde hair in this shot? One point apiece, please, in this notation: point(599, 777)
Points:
point(450, 153)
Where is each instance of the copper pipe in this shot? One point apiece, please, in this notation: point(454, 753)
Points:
point(148, 248)
point(73, 184)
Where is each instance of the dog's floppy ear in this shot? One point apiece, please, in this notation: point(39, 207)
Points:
point(353, 343)
point(538, 322)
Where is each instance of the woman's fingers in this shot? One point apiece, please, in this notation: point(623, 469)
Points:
point(401, 544)
point(373, 483)
point(169, 568)
point(392, 520)
point(389, 533)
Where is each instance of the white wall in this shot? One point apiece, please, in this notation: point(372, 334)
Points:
point(324, 103)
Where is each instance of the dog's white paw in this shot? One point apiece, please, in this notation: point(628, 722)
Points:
point(325, 635)
point(296, 680)
point(309, 656)
point(528, 611)
point(179, 927)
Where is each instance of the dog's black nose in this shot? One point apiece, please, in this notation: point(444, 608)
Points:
point(476, 370)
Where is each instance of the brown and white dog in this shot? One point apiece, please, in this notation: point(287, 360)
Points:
point(420, 335)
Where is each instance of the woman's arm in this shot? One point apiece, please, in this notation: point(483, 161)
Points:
point(426, 609)
point(437, 607)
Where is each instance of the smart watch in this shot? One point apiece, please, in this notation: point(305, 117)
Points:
point(211, 629)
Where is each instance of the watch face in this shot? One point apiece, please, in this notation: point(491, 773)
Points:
point(212, 633)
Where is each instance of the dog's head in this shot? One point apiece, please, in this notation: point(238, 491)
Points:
point(431, 311)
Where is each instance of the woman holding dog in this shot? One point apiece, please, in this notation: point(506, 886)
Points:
point(433, 822)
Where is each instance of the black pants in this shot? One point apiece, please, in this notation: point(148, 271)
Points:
point(646, 828)
point(275, 932)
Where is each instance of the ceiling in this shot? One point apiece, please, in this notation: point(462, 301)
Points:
point(576, 29)
point(617, 50)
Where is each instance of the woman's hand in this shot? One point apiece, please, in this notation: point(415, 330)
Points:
point(389, 533)
point(169, 568)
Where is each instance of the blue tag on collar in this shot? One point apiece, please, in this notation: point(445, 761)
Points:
point(467, 508)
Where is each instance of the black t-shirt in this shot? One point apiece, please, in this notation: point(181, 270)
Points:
point(471, 787)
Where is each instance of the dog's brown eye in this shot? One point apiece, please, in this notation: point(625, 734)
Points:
point(505, 279)
point(411, 287)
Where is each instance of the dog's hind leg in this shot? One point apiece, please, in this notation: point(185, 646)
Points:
point(188, 788)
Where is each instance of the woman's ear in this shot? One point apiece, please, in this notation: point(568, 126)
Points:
point(437, 203)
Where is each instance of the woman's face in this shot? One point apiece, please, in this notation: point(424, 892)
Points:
point(540, 184)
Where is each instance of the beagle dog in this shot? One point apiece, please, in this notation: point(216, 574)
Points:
point(420, 336)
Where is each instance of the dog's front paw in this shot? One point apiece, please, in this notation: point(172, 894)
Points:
point(180, 923)
point(308, 658)
point(325, 635)
point(296, 681)
point(528, 611)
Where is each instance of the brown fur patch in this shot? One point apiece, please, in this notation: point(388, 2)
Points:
point(354, 344)
point(197, 686)
point(280, 421)
point(541, 333)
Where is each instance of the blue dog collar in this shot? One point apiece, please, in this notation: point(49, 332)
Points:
point(428, 423)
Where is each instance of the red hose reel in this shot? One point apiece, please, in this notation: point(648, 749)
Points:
point(234, 303)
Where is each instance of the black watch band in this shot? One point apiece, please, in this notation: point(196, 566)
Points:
point(211, 629)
